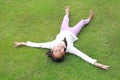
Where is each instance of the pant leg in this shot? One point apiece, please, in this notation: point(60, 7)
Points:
point(65, 23)
point(76, 29)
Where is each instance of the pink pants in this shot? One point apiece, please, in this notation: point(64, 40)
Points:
point(76, 29)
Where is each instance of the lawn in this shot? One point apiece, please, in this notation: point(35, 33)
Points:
point(40, 20)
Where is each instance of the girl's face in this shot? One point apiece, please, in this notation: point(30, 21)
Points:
point(58, 50)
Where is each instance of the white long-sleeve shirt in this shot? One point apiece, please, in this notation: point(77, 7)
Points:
point(71, 38)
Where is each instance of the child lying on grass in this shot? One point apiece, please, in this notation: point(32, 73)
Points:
point(64, 42)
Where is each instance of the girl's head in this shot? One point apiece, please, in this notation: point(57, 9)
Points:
point(53, 58)
point(57, 54)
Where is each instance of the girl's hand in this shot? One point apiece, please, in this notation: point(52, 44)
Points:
point(17, 44)
point(101, 66)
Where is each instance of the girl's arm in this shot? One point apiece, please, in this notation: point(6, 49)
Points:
point(88, 59)
point(48, 45)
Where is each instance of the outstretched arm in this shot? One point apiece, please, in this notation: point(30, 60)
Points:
point(88, 59)
point(48, 45)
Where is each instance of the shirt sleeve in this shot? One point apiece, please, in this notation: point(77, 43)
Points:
point(48, 45)
point(85, 57)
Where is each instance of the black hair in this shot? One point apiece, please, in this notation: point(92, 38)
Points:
point(51, 56)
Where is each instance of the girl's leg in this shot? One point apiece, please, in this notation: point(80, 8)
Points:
point(76, 29)
point(65, 22)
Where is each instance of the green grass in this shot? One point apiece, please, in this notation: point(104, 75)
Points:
point(39, 21)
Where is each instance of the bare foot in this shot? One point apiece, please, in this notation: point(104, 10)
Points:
point(67, 9)
point(91, 14)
